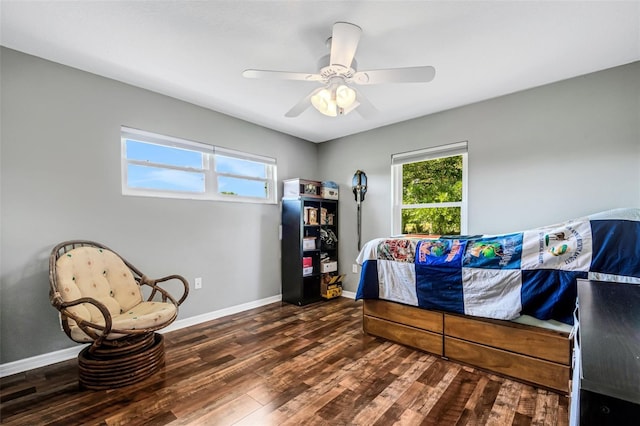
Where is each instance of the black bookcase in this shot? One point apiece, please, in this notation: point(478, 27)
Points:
point(309, 247)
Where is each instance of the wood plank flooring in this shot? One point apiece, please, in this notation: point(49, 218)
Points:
point(284, 365)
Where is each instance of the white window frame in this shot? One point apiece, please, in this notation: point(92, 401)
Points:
point(398, 160)
point(210, 153)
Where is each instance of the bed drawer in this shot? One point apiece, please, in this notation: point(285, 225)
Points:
point(538, 343)
point(415, 317)
point(537, 371)
point(411, 336)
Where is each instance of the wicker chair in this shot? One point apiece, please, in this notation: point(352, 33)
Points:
point(100, 299)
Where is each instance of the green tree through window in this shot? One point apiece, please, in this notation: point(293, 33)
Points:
point(429, 190)
point(432, 182)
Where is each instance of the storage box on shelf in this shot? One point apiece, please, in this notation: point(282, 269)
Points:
point(326, 267)
point(309, 243)
point(329, 190)
point(331, 286)
point(294, 188)
point(307, 266)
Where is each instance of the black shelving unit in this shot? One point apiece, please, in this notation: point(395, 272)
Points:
point(306, 224)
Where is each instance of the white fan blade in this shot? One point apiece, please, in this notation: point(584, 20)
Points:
point(281, 75)
point(395, 75)
point(302, 106)
point(344, 43)
point(366, 108)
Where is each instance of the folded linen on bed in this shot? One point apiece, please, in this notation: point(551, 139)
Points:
point(504, 276)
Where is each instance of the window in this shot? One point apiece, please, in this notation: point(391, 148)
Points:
point(429, 190)
point(163, 166)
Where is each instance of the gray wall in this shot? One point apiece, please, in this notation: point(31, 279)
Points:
point(536, 157)
point(60, 180)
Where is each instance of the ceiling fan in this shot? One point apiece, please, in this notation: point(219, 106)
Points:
point(338, 71)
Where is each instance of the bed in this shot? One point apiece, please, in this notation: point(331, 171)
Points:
point(503, 303)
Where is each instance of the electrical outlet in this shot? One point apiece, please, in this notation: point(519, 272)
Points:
point(198, 283)
point(354, 268)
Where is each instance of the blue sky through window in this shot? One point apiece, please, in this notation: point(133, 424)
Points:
point(164, 179)
point(159, 154)
point(160, 178)
point(237, 166)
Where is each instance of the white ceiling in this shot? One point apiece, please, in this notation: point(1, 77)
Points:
point(196, 50)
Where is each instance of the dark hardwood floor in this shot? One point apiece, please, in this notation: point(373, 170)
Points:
point(282, 364)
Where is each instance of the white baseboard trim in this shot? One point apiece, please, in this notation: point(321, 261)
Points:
point(348, 294)
point(199, 319)
point(38, 361)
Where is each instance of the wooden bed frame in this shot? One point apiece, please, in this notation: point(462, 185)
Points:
point(526, 353)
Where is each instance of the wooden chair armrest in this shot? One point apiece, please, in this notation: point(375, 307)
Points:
point(87, 326)
point(144, 280)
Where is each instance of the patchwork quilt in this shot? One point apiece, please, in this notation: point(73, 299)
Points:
point(504, 276)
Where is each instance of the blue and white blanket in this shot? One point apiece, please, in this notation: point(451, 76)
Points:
point(504, 276)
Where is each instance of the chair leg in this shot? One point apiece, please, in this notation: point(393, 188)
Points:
point(113, 367)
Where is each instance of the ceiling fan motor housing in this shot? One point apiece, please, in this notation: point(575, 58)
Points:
point(327, 71)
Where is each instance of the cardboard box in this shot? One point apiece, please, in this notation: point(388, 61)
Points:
point(307, 266)
point(328, 267)
point(331, 286)
point(332, 291)
point(309, 243)
point(333, 279)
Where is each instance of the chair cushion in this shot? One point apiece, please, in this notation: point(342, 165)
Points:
point(100, 274)
point(144, 315)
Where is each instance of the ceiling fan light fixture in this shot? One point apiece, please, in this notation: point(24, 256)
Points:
point(347, 110)
point(325, 103)
point(335, 99)
point(345, 96)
